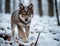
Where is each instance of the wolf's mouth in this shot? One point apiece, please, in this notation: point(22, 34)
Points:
point(26, 22)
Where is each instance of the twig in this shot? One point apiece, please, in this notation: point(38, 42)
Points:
point(37, 39)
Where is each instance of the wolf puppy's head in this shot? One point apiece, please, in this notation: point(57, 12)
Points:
point(26, 12)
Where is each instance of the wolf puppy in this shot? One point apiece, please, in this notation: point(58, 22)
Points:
point(22, 19)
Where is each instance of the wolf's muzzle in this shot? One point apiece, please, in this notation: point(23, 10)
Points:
point(26, 19)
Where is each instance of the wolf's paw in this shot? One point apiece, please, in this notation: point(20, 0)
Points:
point(25, 41)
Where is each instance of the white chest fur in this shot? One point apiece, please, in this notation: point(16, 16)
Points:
point(24, 29)
point(23, 26)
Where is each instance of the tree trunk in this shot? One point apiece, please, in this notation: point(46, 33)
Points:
point(7, 6)
point(40, 7)
point(50, 7)
point(14, 4)
point(0, 6)
point(57, 12)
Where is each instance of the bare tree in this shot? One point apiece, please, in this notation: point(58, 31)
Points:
point(7, 6)
point(0, 6)
point(57, 12)
point(40, 7)
point(50, 7)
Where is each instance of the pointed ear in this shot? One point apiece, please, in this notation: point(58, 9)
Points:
point(21, 6)
point(30, 7)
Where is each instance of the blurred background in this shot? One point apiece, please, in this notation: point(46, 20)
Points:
point(41, 7)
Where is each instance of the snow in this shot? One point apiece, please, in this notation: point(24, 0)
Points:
point(32, 39)
point(47, 26)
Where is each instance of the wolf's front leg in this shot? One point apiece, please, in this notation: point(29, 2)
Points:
point(13, 30)
point(27, 30)
point(22, 34)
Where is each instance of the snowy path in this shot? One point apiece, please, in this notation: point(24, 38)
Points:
point(50, 32)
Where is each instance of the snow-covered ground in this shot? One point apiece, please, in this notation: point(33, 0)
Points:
point(47, 26)
point(50, 31)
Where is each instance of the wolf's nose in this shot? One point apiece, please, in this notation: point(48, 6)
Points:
point(26, 19)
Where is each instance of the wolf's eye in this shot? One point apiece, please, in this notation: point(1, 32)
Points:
point(23, 13)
